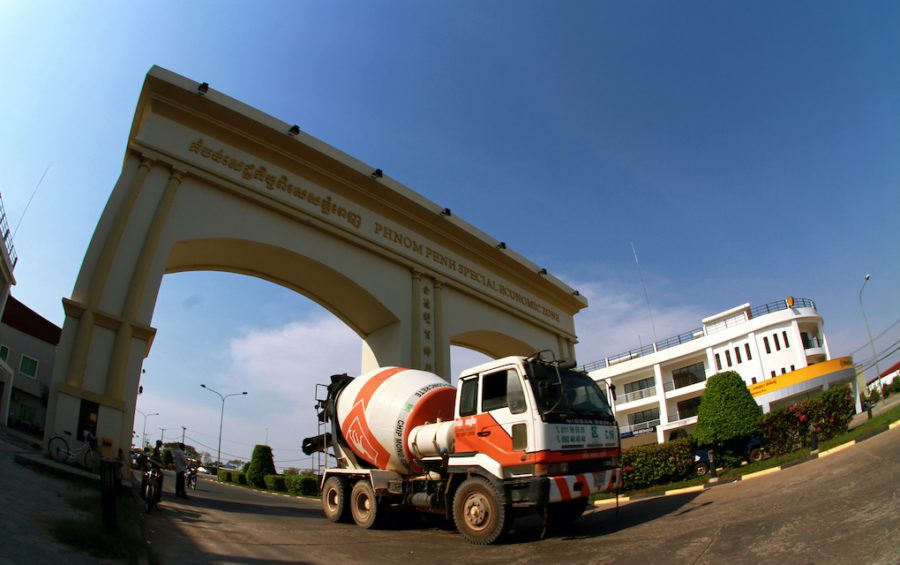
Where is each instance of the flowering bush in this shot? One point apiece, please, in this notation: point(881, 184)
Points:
point(828, 414)
point(650, 465)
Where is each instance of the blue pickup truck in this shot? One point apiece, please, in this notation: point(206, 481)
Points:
point(755, 451)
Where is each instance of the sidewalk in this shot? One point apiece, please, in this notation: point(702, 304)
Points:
point(30, 502)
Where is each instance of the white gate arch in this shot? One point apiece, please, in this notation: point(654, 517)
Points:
point(209, 183)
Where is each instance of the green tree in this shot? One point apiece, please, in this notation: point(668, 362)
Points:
point(727, 415)
point(261, 464)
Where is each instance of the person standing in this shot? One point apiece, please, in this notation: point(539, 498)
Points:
point(180, 470)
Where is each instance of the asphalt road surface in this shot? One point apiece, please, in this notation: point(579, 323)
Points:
point(844, 508)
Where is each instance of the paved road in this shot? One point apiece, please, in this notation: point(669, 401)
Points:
point(844, 508)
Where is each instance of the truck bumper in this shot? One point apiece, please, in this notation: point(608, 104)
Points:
point(548, 490)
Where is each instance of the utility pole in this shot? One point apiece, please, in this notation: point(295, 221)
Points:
point(183, 429)
point(162, 435)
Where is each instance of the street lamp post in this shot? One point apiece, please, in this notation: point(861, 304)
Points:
point(144, 433)
point(221, 419)
point(868, 330)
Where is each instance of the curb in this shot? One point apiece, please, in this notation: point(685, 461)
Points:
point(747, 477)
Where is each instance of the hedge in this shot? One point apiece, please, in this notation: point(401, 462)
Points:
point(276, 483)
point(229, 476)
point(656, 464)
point(306, 485)
point(789, 428)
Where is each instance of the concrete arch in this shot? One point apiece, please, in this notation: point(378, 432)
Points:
point(211, 184)
point(491, 343)
point(339, 294)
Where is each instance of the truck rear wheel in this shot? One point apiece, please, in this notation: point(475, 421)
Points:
point(336, 499)
point(364, 505)
point(479, 512)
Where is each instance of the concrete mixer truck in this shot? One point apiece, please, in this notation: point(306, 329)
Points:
point(519, 434)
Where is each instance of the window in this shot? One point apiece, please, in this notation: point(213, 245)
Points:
point(643, 416)
point(718, 363)
point(804, 338)
point(792, 368)
point(747, 350)
point(786, 344)
point(688, 408)
point(766, 343)
point(4, 353)
point(777, 343)
point(754, 380)
point(737, 354)
point(28, 366)
point(692, 374)
point(773, 374)
point(468, 394)
point(642, 384)
point(501, 390)
point(728, 357)
point(783, 370)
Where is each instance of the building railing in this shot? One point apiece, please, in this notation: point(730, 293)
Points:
point(679, 339)
point(686, 337)
point(681, 418)
point(638, 427)
point(636, 395)
point(813, 343)
point(780, 305)
point(7, 238)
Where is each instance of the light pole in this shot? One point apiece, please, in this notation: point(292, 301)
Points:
point(144, 433)
point(869, 331)
point(221, 419)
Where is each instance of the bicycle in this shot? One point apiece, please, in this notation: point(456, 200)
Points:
point(85, 455)
point(150, 490)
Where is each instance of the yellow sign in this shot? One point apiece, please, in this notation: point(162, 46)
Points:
point(800, 375)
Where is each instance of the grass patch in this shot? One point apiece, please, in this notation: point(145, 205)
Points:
point(88, 533)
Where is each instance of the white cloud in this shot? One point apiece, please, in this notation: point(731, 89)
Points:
point(617, 320)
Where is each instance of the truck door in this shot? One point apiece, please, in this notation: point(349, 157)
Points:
point(503, 427)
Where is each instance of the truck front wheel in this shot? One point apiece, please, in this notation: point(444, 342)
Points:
point(336, 499)
point(364, 505)
point(479, 513)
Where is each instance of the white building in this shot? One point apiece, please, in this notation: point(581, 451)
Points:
point(8, 260)
point(778, 348)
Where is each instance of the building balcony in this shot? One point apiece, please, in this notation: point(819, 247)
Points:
point(677, 390)
point(677, 421)
point(637, 429)
point(636, 395)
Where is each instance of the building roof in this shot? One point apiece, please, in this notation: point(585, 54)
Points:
point(17, 315)
point(893, 368)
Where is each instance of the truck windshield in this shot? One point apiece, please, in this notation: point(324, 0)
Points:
point(571, 394)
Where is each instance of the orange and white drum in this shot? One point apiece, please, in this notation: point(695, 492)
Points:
point(378, 410)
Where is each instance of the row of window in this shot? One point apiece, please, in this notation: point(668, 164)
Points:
point(737, 356)
point(28, 366)
point(777, 343)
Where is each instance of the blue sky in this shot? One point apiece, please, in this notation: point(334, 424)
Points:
point(749, 151)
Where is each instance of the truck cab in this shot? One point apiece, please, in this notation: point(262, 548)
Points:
point(526, 420)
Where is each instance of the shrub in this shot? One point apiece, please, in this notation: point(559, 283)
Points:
point(241, 477)
point(261, 464)
point(875, 395)
point(224, 475)
point(306, 485)
point(727, 416)
point(276, 483)
point(649, 465)
point(828, 413)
